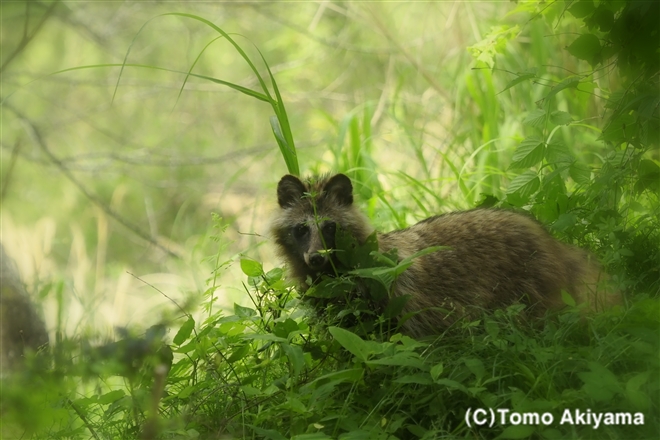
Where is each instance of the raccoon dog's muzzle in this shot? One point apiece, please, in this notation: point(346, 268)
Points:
point(320, 240)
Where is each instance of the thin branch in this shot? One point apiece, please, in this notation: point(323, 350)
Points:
point(36, 135)
point(27, 38)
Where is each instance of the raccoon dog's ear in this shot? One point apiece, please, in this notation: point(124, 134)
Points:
point(289, 191)
point(340, 188)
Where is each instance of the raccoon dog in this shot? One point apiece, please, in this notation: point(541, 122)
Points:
point(494, 258)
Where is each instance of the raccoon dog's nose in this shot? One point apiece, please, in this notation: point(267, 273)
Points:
point(317, 260)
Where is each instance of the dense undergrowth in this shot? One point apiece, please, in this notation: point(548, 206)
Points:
point(280, 369)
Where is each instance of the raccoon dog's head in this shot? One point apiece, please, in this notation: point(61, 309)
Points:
point(309, 215)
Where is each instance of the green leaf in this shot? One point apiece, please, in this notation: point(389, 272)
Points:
point(419, 378)
point(268, 433)
point(580, 173)
point(568, 83)
point(243, 312)
point(110, 397)
point(296, 357)
point(476, 366)
point(517, 431)
point(559, 117)
point(636, 397)
point(263, 337)
point(525, 76)
point(402, 359)
point(436, 371)
point(649, 176)
point(395, 306)
point(251, 268)
point(564, 222)
point(312, 436)
point(239, 353)
point(524, 184)
point(452, 384)
point(582, 8)
point(600, 383)
point(492, 328)
point(184, 332)
point(536, 118)
point(406, 262)
point(585, 47)
point(284, 328)
point(567, 299)
point(186, 392)
point(603, 17)
point(530, 152)
point(352, 342)
point(557, 152)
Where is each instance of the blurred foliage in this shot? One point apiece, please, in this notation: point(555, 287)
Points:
point(110, 172)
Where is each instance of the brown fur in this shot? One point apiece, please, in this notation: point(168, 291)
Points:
point(495, 258)
point(21, 326)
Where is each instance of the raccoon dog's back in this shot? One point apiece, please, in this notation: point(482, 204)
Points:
point(494, 258)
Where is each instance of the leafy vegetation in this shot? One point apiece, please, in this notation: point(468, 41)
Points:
point(564, 126)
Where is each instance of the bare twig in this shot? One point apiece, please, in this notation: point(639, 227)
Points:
point(28, 37)
point(36, 135)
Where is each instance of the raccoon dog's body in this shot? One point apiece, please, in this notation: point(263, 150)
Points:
point(494, 258)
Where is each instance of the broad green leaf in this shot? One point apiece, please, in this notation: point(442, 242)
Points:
point(352, 342)
point(239, 353)
point(251, 268)
point(603, 17)
point(296, 357)
point(436, 371)
point(451, 384)
point(568, 83)
point(492, 328)
point(406, 262)
point(284, 328)
point(557, 152)
point(649, 176)
point(517, 431)
point(110, 397)
point(580, 173)
point(243, 312)
point(582, 8)
point(585, 47)
point(476, 366)
point(263, 337)
point(530, 152)
point(352, 375)
point(567, 299)
point(536, 118)
point(564, 222)
point(638, 398)
point(184, 332)
point(312, 436)
point(358, 434)
point(395, 306)
point(524, 184)
point(270, 434)
point(559, 117)
point(600, 383)
point(186, 392)
point(402, 359)
point(418, 378)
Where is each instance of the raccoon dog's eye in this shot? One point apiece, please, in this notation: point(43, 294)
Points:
point(300, 231)
point(329, 228)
